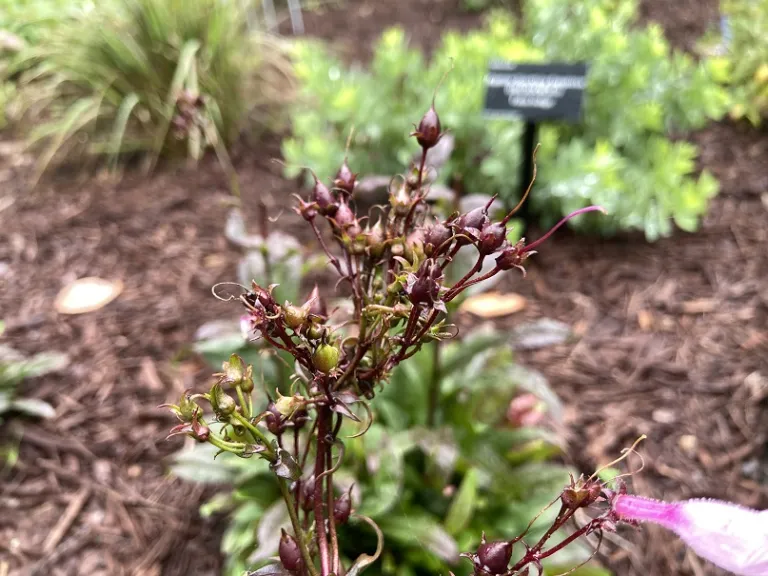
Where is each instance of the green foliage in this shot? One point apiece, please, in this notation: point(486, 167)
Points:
point(639, 92)
point(395, 93)
point(14, 369)
point(745, 64)
point(431, 489)
point(109, 81)
point(480, 5)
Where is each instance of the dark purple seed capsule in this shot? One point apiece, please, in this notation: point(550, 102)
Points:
point(492, 238)
point(345, 179)
point(428, 132)
point(494, 556)
point(290, 553)
point(342, 508)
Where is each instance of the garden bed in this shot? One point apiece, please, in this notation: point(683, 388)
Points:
point(673, 340)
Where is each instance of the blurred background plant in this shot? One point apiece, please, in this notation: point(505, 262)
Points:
point(167, 77)
point(742, 52)
point(623, 156)
point(14, 369)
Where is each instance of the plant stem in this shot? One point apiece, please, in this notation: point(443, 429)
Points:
point(245, 406)
point(448, 297)
point(331, 519)
point(434, 386)
point(264, 231)
point(297, 457)
point(221, 444)
point(419, 195)
point(458, 286)
point(324, 246)
point(258, 434)
point(300, 537)
point(323, 413)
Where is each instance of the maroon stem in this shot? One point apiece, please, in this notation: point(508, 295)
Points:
point(323, 413)
point(297, 457)
point(402, 355)
point(554, 228)
point(535, 553)
point(449, 258)
point(324, 246)
point(331, 519)
point(410, 326)
point(587, 528)
point(450, 296)
point(456, 288)
point(419, 196)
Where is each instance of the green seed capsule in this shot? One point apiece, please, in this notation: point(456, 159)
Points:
point(294, 316)
point(326, 358)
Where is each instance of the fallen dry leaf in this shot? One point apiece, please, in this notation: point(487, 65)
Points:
point(87, 295)
point(493, 304)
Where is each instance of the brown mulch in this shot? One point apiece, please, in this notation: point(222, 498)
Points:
point(673, 339)
point(91, 494)
point(672, 344)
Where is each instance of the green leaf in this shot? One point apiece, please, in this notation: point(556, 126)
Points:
point(423, 531)
point(385, 462)
point(463, 504)
point(183, 69)
point(198, 465)
point(32, 407)
point(458, 355)
point(121, 122)
point(268, 532)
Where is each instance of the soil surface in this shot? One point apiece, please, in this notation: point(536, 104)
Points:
point(672, 337)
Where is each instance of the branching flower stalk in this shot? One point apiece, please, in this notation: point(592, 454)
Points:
point(394, 268)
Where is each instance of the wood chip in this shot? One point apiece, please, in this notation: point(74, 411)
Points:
point(645, 320)
point(700, 306)
point(149, 375)
point(64, 523)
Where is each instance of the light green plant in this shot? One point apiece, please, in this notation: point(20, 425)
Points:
point(744, 58)
point(620, 156)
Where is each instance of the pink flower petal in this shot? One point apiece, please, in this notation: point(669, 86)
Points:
point(730, 536)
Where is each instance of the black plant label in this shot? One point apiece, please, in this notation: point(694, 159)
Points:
point(535, 92)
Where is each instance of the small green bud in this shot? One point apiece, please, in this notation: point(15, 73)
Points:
point(294, 316)
point(374, 237)
point(238, 434)
point(326, 358)
point(247, 384)
point(232, 371)
point(222, 403)
point(315, 331)
point(187, 408)
point(287, 405)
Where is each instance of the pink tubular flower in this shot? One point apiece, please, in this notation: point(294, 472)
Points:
point(732, 537)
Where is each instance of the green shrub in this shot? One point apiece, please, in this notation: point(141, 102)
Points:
point(620, 156)
point(149, 75)
point(746, 58)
